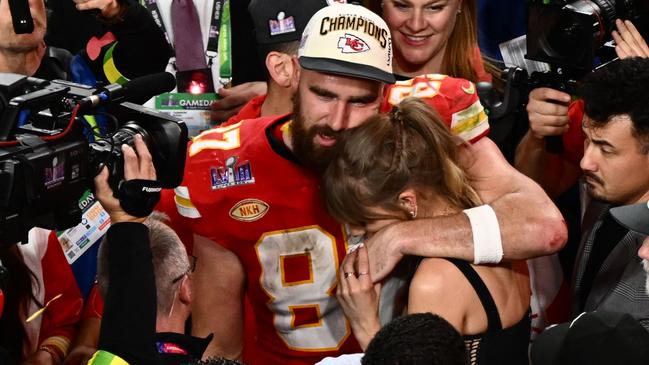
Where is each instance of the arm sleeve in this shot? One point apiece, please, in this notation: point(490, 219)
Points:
point(128, 325)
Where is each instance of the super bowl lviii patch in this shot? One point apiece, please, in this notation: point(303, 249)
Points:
point(282, 24)
point(232, 174)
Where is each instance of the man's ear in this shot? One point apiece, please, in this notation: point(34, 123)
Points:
point(185, 290)
point(296, 71)
point(280, 68)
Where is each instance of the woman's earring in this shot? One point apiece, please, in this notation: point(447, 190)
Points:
point(413, 212)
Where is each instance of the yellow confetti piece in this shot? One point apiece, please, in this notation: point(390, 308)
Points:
point(40, 311)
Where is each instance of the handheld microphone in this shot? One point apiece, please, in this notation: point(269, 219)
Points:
point(137, 90)
point(21, 17)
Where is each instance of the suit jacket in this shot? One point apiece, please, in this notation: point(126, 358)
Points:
point(620, 283)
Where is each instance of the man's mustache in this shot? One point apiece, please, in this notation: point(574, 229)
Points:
point(326, 130)
point(594, 177)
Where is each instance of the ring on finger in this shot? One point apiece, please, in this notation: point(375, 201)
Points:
point(362, 273)
point(348, 274)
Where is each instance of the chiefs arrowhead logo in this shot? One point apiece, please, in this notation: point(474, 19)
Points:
point(352, 44)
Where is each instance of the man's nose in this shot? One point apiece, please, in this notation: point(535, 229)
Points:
point(643, 252)
point(339, 117)
point(587, 162)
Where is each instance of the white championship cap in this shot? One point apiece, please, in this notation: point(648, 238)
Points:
point(349, 40)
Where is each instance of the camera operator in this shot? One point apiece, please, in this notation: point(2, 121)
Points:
point(551, 113)
point(133, 47)
point(147, 263)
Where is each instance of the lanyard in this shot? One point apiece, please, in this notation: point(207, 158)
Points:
point(224, 44)
point(220, 11)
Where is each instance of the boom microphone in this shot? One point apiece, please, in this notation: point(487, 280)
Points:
point(137, 90)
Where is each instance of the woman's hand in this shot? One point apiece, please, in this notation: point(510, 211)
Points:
point(358, 297)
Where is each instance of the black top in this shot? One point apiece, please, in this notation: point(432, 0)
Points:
point(497, 345)
point(129, 321)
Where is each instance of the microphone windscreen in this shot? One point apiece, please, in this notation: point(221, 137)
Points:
point(145, 87)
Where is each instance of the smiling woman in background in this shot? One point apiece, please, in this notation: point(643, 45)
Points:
point(435, 36)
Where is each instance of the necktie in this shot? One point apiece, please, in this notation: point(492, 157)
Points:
point(188, 41)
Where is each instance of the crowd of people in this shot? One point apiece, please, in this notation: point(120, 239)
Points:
point(346, 207)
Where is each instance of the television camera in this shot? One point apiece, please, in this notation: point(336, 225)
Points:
point(52, 146)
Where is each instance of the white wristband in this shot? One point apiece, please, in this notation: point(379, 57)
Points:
point(487, 245)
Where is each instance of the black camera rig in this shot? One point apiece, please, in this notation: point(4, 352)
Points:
point(573, 37)
point(51, 146)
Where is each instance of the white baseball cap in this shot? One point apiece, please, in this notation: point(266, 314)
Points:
point(349, 40)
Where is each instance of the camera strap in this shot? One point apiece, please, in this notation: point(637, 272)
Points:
point(139, 197)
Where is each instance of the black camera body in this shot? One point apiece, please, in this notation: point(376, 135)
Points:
point(50, 153)
point(575, 35)
point(574, 38)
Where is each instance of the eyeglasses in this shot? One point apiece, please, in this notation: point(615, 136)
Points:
point(192, 268)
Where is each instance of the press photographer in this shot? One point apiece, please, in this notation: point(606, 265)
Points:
point(549, 109)
point(146, 278)
point(46, 163)
point(46, 160)
point(132, 47)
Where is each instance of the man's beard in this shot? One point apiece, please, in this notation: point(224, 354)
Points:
point(311, 155)
point(590, 188)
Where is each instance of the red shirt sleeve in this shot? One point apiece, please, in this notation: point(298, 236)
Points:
point(573, 139)
point(62, 314)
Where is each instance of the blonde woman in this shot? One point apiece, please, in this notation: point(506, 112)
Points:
point(404, 166)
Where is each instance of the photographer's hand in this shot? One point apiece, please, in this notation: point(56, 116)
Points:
point(547, 111)
point(629, 42)
point(138, 166)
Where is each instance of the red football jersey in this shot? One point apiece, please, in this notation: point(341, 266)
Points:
point(455, 100)
point(255, 200)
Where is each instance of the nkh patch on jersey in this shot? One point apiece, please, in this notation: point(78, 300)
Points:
point(249, 210)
